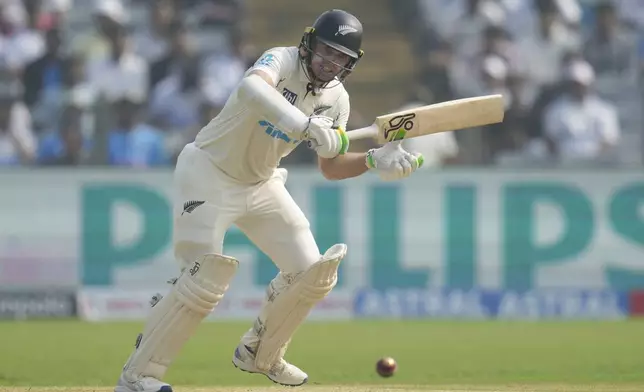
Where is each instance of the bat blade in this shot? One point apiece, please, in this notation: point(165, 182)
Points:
point(440, 117)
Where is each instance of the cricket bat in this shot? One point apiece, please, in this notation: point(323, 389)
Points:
point(440, 117)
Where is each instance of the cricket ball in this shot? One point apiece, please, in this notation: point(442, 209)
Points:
point(386, 367)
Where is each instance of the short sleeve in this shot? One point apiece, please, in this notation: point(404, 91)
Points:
point(277, 62)
point(343, 110)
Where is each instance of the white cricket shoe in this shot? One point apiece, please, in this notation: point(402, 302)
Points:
point(281, 373)
point(145, 384)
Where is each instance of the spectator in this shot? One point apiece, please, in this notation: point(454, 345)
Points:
point(580, 125)
point(21, 42)
point(632, 13)
point(54, 13)
point(176, 141)
point(75, 91)
point(46, 73)
point(176, 94)
point(109, 16)
point(435, 59)
point(151, 42)
point(509, 135)
point(479, 16)
point(120, 73)
point(547, 94)
point(44, 81)
point(215, 20)
point(610, 50)
point(495, 42)
point(36, 19)
point(180, 56)
point(220, 13)
point(174, 103)
point(17, 141)
point(66, 145)
point(512, 134)
point(541, 50)
point(132, 142)
point(222, 71)
point(440, 16)
point(79, 92)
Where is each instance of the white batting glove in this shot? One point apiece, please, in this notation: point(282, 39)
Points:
point(392, 162)
point(328, 142)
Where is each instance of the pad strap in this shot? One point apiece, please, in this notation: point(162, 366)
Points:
point(289, 309)
point(175, 317)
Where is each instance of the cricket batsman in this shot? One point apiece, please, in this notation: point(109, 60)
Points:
point(229, 176)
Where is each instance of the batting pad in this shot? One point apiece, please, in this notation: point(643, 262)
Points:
point(175, 318)
point(290, 308)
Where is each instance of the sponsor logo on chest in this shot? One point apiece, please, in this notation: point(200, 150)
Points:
point(289, 95)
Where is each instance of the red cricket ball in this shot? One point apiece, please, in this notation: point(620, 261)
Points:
point(386, 367)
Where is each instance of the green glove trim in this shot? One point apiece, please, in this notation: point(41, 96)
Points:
point(344, 140)
point(369, 161)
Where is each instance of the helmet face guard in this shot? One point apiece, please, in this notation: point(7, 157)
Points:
point(309, 40)
point(338, 30)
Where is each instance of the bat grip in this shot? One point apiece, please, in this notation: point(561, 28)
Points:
point(363, 133)
point(356, 134)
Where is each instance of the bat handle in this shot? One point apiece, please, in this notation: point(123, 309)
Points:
point(363, 133)
point(356, 134)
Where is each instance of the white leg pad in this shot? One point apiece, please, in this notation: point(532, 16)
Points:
point(175, 318)
point(289, 309)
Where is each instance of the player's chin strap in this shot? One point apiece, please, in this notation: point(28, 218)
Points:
point(288, 310)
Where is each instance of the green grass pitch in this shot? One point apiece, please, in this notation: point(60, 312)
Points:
point(70, 356)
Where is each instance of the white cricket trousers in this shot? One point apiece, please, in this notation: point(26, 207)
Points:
point(207, 203)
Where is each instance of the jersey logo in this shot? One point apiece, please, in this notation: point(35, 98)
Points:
point(289, 95)
point(266, 60)
point(276, 133)
point(191, 205)
point(346, 29)
point(320, 109)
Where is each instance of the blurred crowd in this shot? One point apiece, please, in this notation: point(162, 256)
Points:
point(111, 82)
point(569, 70)
point(130, 82)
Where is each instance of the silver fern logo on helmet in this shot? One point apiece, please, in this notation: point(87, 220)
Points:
point(346, 29)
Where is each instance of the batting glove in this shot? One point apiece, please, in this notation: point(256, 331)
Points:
point(327, 141)
point(392, 162)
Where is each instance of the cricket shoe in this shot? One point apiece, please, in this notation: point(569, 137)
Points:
point(145, 384)
point(281, 373)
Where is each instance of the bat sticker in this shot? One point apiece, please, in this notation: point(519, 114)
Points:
point(399, 126)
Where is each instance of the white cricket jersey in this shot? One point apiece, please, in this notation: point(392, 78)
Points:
point(245, 145)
